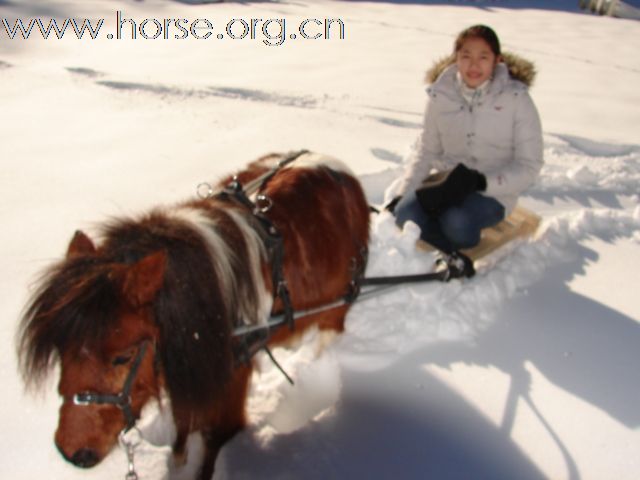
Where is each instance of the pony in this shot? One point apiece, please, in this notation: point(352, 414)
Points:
point(152, 307)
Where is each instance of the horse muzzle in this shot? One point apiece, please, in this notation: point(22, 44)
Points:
point(83, 457)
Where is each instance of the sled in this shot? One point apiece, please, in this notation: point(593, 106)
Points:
point(521, 223)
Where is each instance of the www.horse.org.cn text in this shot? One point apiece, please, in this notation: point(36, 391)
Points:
point(271, 31)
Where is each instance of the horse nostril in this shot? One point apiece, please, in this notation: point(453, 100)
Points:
point(85, 458)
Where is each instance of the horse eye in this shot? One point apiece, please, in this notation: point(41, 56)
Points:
point(121, 359)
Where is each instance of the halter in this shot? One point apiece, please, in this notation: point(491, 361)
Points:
point(121, 400)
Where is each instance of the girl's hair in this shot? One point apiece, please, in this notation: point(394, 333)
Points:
point(479, 31)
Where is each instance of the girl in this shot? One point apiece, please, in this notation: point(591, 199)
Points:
point(482, 134)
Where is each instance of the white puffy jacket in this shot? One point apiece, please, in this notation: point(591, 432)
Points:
point(498, 134)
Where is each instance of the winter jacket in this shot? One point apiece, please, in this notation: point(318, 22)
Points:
point(497, 132)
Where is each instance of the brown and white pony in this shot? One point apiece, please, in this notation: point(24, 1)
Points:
point(155, 304)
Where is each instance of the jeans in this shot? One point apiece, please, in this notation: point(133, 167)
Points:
point(457, 227)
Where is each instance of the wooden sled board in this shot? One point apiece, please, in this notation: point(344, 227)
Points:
point(521, 223)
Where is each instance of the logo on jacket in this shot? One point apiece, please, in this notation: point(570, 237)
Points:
point(498, 108)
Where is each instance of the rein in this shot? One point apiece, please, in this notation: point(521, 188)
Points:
point(121, 400)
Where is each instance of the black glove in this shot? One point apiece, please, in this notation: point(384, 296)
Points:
point(391, 206)
point(447, 189)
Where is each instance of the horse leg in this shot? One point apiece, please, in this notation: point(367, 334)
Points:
point(179, 449)
point(213, 442)
point(229, 418)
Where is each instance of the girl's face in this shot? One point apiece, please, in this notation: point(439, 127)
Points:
point(475, 62)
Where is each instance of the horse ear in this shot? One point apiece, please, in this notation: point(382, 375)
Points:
point(80, 244)
point(143, 279)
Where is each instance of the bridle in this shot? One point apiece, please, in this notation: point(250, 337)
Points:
point(121, 400)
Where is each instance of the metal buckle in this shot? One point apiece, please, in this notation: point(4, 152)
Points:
point(204, 190)
point(263, 203)
point(84, 398)
point(123, 401)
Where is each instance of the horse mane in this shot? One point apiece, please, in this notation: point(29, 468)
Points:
point(194, 324)
point(77, 303)
point(73, 307)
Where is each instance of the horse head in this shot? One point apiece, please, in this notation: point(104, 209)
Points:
point(94, 317)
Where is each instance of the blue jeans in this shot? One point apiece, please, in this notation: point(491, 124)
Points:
point(457, 227)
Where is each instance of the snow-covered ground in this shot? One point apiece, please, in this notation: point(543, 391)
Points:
point(529, 370)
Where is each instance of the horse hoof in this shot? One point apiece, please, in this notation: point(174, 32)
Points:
point(85, 458)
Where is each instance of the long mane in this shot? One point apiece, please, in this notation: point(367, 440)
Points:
point(74, 306)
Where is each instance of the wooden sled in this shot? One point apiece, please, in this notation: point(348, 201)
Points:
point(521, 223)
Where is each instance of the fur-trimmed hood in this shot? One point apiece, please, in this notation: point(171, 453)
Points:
point(519, 68)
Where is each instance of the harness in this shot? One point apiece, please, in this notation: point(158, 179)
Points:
point(249, 340)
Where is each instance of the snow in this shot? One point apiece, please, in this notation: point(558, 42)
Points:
point(528, 370)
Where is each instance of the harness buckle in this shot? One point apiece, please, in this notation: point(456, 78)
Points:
point(84, 398)
point(123, 401)
point(204, 190)
point(263, 203)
